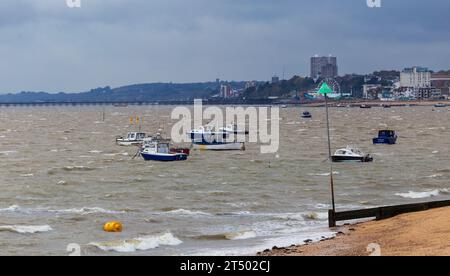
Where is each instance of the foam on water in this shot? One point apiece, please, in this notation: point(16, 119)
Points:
point(243, 235)
point(25, 229)
point(184, 212)
point(79, 211)
point(138, 244)
point(87, 211)
point(425, 194)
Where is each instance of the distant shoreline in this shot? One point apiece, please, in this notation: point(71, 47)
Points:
point(265, 102)
point(416, 234)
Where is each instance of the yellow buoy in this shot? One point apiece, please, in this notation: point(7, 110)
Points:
point(113, 226)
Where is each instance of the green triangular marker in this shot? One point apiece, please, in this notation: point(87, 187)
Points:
point(325, 89)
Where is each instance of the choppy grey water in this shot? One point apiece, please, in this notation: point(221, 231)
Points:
point(62, 177)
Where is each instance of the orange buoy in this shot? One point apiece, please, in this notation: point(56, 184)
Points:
point(113, 226)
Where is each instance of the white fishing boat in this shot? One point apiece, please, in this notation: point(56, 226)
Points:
point(233, 128)
point(204, 138)
point(132, 139)
point(351, 153)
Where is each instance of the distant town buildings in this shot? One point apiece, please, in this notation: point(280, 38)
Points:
point(250, 84)
point(441, 81)
point(275, 79)
point(226, 91)
point(325, 67)
point(415, 77)
point(417, 82)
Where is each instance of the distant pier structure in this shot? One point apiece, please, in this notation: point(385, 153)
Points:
point(139, 103)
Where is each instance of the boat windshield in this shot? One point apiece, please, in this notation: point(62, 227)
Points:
point(131, 136)
point(386, 133)
point(163, 148)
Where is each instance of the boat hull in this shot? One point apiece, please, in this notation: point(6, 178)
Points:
point(169, 157)
point(351, 159)
point(385, 141)
point(129, 144)
point(220, 146)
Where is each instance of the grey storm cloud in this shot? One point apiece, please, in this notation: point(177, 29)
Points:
point(44, 45)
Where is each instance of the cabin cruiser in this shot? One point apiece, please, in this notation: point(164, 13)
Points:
point(132, 139)
point(233, 128)
point(386, 137)
point(148, 142)
point(365, 106)
point(306, 114)
point(440, 105)
point(204, 138)
point(159, 150)
point(349, 154)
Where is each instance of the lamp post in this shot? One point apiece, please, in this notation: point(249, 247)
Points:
point(324, 90)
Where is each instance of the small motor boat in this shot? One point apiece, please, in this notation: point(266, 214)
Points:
point(351, 154)
point(233, 129)
point(158, 150)
point(385, 137)
point(132, 139)
point(306, 114)
point(204, 138)
point(365, 106)
point(439, 105)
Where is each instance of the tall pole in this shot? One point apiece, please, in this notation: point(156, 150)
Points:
point(329, 155)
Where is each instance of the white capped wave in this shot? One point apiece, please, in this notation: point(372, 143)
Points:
point(185, 212)
point(304, 216)
point(138, 244)
point(115, 154)
point(7, 152)
point(425, 194)
point(27, 175)
point(95, 151)
point(243, 235)
point(26, 229)
point(12, 208)
point(79, 211)
point(435, 175)
point(323, 174)
point(87, 211)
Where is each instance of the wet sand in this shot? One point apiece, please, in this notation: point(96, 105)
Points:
point(416, 234)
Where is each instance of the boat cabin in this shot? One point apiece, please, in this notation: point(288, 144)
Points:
point(135, 136)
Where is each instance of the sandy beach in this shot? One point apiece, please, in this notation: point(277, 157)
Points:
point(415, 234)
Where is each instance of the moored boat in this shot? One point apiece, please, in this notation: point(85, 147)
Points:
point(306, 114)
point(207, 139)
point(233, 128)
point(439, 105)
point(351, 154)
point(365, 106)
point(158, 150)
point(386, 137)
point(132, 139)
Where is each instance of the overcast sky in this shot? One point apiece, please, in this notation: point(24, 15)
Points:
point(46, 46)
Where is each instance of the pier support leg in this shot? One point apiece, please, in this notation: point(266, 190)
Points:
point(331, 219)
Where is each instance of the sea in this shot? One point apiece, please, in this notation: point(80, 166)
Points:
point(62, 177)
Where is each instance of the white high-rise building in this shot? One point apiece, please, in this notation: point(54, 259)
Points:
point(415, 77)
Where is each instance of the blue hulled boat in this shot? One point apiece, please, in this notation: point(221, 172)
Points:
point(386, 137)
point(156, 150)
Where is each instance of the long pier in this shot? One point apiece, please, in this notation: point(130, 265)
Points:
point(135, 103)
